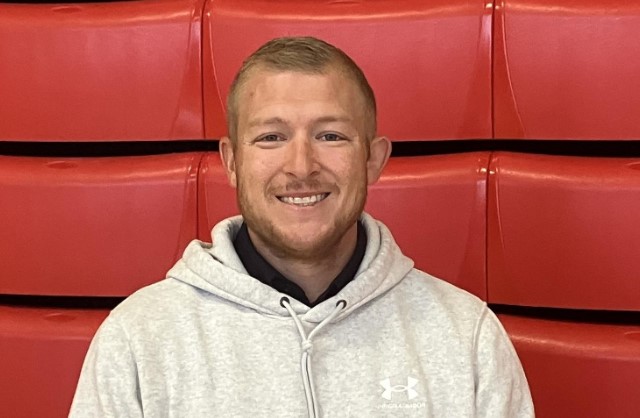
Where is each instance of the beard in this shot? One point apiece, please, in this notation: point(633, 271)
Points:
point(281, 239)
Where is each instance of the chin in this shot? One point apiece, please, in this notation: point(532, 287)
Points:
point(306, 251)
point(308, 239)
point(310, 246)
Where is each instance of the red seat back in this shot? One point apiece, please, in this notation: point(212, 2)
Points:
point(435, 206)
point(42, 352)
point(578, 370)
point(217, 199)
point(428, 62)
point(564, 231)
point(566, 70)
point(101, 72)
point(94, 226)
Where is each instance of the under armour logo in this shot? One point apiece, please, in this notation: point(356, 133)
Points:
point(409, 388)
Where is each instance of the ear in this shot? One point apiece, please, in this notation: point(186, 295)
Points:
point(227, 153)
point(379, 152)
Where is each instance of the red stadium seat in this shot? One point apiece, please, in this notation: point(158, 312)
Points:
point(567, 70)
point(444, 195)
point(436, 208)
point(579, 369)
point(428, 62)
point(564, 231)
point(111, 71)
point(42, 354)
point(94, 226)
point(217, 199)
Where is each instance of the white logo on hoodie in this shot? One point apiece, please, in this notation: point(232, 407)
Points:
point(408, 388)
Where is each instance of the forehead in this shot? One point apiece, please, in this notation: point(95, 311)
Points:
point(267, 91)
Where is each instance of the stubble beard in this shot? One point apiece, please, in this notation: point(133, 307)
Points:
point(281, 245)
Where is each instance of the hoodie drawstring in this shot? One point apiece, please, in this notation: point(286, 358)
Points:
point(307, 345)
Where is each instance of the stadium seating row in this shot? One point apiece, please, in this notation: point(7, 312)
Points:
point(557, 224)
point(160, 69)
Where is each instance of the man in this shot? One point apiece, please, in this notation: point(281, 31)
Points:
point(305, 306)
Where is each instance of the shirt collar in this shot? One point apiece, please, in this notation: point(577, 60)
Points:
point(260, 269)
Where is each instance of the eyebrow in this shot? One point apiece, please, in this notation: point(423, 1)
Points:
point(327, 119)
point(269, 121)
point(279, 121)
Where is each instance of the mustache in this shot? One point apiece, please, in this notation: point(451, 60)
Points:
point(301, 185)
point(294, 186)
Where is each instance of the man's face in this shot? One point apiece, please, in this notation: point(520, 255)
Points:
point(301, 162)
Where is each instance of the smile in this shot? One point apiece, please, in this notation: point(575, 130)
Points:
point(303, 201)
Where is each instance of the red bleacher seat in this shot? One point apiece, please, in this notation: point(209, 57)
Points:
point(42, 351)
point(217, 199)
point(564, 231)
point(443, 195)
point(94, 226)
point(579, 369)
point(435, 206)
point(101, 71)
point(567, 70)
point(428, 62)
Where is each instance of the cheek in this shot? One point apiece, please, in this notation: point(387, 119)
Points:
point(345, 164)
point(256, 172)
point(352, 169)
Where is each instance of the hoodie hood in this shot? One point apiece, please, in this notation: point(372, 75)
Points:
point(216, 269)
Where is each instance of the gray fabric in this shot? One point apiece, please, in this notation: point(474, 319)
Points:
point(210, 341)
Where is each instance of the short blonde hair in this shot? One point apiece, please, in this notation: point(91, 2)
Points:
point(300, 54)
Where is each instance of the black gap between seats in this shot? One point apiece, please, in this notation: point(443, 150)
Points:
point(562, 148)
point(628, 149)
point(103, 149)
point(60, 302)
point(571, 315)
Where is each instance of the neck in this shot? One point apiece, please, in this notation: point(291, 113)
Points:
point(313, 275)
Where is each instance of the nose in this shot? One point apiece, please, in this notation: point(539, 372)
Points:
point(301, 159)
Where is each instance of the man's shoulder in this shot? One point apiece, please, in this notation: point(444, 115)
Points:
point(154, 302)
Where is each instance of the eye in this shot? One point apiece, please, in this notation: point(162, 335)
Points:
point(270, 138)
point(331, 137)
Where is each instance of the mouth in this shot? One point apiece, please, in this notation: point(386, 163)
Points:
point(303, 201)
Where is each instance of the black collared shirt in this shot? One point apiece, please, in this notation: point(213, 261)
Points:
point(259, 268)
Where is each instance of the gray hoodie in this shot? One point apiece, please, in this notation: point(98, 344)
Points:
point(211, 341)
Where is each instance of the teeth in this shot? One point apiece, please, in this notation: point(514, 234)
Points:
point(304, 201)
